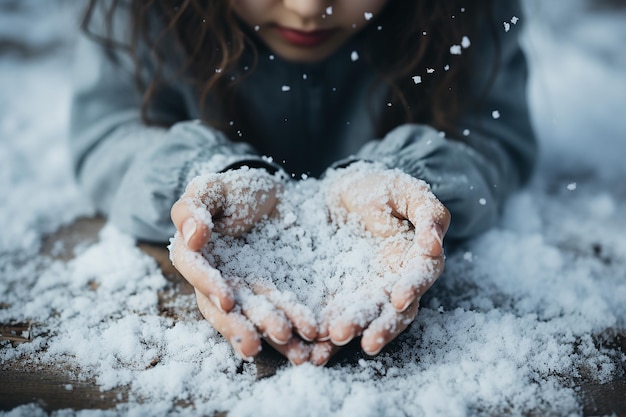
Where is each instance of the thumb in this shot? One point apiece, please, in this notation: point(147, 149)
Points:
point(193, 213)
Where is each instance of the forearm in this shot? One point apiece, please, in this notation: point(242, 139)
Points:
point(494, 148)
point(461, 178)
point(135, 173)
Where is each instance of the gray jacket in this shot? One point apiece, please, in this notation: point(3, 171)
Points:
point(306, 117)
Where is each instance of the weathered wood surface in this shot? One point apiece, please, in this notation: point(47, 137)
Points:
point(54, 388)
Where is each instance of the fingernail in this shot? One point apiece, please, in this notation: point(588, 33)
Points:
point(340, 342)
point(306, 338)
point(437, 234)
point(375, 352)
point(306, 330)
point(343, 341)
point(323, 335)
point(406, 305)
point(320, 362)
point(235, 341)
point(379, 342)
point(215, 300)
point(278, 341)
point(189, 229)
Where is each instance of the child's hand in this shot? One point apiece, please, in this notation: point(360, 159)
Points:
point(231, 204)
point(389, 204)
point(244, 336)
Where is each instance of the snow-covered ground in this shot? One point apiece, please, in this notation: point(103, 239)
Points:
point(514, 322)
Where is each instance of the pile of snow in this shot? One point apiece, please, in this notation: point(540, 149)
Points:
point(518, 316)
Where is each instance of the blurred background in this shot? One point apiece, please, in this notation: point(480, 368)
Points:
point(576, 48)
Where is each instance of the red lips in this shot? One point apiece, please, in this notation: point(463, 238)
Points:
point(304, 38)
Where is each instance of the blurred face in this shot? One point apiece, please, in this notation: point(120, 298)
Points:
point(306, 30)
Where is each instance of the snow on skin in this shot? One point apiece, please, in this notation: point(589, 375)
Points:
point(299, 252)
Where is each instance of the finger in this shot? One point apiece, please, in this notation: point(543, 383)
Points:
point(430, 240)
point(357, 312)
point(328, 314)
point(322, 332)
point(193, 213)
point(430, 237)
point(235, 328)
point(322, 352)
point(201, 275)
point(413, 200)
point(301, 317)
point(387, 327)
point(296, 350)
point(263, 314)
point(196, 233)
point(417, 277)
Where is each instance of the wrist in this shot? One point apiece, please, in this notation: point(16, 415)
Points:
point(252, 164)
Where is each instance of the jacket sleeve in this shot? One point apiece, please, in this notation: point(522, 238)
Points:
point(473, 176)
point(131, 172)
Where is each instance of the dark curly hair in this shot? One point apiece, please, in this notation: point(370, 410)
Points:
point(418, 37)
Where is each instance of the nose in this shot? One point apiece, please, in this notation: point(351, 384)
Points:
point(307, 9)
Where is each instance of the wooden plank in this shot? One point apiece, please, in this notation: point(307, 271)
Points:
point(16, 332)
point(62, 244)
point(53, 389)
point(607, 399)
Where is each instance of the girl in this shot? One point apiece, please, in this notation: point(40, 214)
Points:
point(169, 89)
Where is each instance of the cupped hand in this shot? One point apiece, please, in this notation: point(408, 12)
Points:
point(231, 204)
point(401, 209)
point(245, 336)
